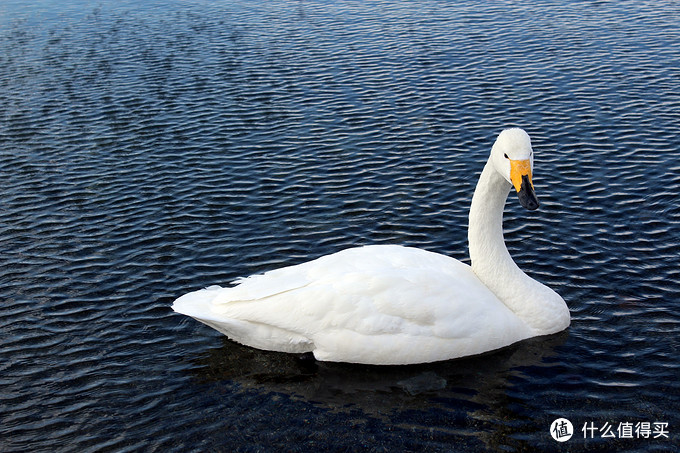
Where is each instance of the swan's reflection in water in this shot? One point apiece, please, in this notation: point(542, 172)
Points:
point(475, 384)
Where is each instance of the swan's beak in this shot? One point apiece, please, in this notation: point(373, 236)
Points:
point(520, 175)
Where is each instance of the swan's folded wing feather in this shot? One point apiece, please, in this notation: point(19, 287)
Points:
point(373, 290)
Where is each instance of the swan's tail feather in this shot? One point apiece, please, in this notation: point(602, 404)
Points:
point(198, 305)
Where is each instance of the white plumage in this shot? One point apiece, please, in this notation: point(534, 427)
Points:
point(388, 304)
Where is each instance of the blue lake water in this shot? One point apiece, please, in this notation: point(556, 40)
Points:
point(152, 148)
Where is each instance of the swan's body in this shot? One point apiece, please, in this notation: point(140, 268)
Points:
point(387, 304)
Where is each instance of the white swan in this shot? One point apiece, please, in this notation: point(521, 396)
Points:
point(387, 304)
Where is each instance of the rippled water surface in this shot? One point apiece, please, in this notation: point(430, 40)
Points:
point(152, 148)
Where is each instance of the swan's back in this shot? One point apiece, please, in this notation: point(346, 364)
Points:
point(381, 304)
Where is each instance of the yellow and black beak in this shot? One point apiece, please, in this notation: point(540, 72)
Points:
point(520, 175)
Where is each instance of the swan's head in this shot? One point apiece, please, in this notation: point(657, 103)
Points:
point(513, 158)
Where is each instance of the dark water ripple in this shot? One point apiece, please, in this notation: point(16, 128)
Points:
point(150, 149)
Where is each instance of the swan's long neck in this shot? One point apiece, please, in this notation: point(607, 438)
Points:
point(539, 306)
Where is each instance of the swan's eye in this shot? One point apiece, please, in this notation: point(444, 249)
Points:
point(506, 156)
